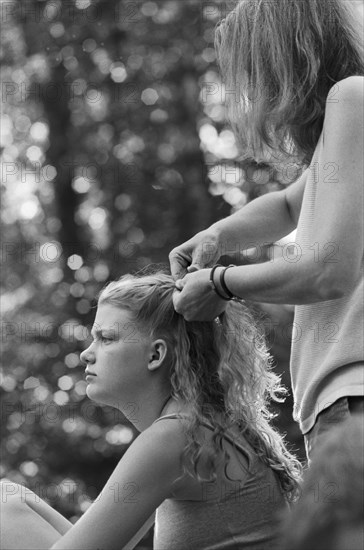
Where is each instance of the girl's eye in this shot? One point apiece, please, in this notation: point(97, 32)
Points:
point(104, 339)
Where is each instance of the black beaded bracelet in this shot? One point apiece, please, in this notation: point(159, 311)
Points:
point(223, 283)
point(214, 287)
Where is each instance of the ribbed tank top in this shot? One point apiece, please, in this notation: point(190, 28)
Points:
point(327, 357)
point(239, 517)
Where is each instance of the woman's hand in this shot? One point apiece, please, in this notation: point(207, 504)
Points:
point(195, 298)
point(203, 250)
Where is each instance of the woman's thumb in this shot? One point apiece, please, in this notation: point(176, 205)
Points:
point(198, 259)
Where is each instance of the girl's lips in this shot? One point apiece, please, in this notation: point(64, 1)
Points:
point(90, 376)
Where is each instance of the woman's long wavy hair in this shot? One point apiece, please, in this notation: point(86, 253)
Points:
point(282, 58)
point(220, 368)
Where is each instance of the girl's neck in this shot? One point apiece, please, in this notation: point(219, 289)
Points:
point(165, 406)
point(173, 405)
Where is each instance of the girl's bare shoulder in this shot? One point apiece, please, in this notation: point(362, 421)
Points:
point(168, 432)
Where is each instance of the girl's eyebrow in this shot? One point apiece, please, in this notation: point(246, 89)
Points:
point(95, 332)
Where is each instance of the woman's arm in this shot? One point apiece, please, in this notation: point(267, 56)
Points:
point(338, 226)
point(264, 220)
point(141, 481)
point(338, 221)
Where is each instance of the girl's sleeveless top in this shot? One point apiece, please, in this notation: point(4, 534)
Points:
point(236, 516)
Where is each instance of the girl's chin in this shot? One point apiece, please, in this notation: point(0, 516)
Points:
point(92, 392)
point(95, 395)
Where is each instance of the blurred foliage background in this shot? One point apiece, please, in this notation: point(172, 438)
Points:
point(115, 149)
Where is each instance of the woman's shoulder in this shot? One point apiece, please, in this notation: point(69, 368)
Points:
point(349, 91)
point(350, 82)
point(344, 113)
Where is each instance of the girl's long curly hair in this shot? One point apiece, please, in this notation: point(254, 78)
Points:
point(221, 368)
point(279, 61)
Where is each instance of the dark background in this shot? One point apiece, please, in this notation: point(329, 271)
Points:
point(115, 149)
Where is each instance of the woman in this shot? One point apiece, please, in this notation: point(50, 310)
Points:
point(206, 459)
point(297, 71)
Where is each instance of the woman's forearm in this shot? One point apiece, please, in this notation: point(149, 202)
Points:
point(282, 282)
point(264, 220)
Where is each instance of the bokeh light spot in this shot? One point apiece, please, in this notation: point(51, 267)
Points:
point(149, 96)
point(75, 262)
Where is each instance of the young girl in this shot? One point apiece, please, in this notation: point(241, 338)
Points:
point(293, 71)
point(207, 459)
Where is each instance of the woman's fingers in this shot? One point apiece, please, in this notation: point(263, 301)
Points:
point(179, 260)
point(202, 251)
point(195, 300)
point(176, 300)
point(179, 284)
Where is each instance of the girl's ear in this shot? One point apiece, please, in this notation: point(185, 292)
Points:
point(158, 354)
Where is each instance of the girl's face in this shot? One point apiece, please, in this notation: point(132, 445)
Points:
point(117, 359)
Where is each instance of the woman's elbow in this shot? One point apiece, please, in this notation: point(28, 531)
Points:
point(333, 284)
point(329, 292)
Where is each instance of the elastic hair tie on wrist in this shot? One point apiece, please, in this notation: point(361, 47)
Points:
point(214, 287)
point(223, 283)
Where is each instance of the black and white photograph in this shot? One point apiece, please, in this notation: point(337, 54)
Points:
point(182, 292)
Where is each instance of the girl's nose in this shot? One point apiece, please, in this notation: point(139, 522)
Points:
point(87, 356)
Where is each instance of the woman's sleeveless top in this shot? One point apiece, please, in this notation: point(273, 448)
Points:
point(327, 340)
